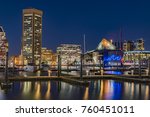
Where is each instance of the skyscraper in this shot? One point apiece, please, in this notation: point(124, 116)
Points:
point(32, 36)
point(3, 46)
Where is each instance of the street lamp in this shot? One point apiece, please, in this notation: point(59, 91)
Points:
point(6, 67)
point(148, 66)
point(101, 64)
point(81, 63)
point(140, 65)
point(59, 65)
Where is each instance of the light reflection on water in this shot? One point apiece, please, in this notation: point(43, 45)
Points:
point(98, 89)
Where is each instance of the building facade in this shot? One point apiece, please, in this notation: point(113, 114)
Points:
point(133, 57)
point(15, 61)
point(48, 57)
point(3, 46)
point(69, 53)
point(128, 46)
point(32, 36)
point(118, 45)
point(140, 44)
point(105, 57)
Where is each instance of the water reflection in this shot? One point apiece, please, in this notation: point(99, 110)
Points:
point(37, 94)
point(106, 89)
point(48, 92)
point(146, 94)
point(26, 88)
point(86, 94)
point(98, 89)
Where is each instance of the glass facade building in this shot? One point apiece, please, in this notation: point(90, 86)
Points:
point(32, 36)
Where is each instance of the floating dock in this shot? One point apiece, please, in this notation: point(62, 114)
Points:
point(76, 80)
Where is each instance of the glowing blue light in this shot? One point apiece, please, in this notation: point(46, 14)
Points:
point(114, 72)
point(113, 58)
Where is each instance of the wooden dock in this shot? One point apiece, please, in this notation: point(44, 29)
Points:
point(76, 80)
point(48, 78)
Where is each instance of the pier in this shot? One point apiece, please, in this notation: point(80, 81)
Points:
point(76, 80)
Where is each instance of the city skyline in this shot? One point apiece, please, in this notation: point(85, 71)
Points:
point(66, 22)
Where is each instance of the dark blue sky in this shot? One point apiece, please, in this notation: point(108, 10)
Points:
point(65, 21)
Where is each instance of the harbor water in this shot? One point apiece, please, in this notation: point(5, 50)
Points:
point(58, 90)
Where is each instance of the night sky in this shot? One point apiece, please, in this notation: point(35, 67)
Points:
point(65, 21)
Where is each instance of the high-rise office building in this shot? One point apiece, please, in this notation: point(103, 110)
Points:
point(32, 36)
point(3, 46)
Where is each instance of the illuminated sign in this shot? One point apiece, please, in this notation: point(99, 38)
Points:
point(113, 58)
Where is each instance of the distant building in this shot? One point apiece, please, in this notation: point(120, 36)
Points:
point(128, 46)
point(70, 53)
point(105, 44)
point(140, 44)
point(48, 57)
point(3, 46)
point(105, 57)
point(15, 61)
point(133, 57)
point(118, 45)
point(32, 36)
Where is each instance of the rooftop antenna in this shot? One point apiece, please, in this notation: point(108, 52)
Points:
point(84, 43)
point(121, 40)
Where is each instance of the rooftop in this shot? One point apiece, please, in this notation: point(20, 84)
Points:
point(137, 51)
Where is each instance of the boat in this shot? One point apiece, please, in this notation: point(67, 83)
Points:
point(45, 67)
point(29, 68)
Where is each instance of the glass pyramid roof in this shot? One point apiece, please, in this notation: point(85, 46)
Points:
point(105, 44)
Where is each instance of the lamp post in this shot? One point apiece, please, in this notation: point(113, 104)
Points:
point(81, 63)
point(59, 65)
point(6, 68)
point(134, 61)
point(13, 65)
point(101, 64)
point(148, 66)
point(6, 84)
point(6, 64)
point(140, 65)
